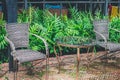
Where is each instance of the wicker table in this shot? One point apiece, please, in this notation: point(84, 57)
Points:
point(78, 46)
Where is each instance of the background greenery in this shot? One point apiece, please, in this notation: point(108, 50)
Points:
point(52, 27)
point(3, 43)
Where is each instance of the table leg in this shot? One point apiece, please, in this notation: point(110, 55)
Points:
point(78, 61)
point(93, 54)
point(88, 57)
point(58, 59)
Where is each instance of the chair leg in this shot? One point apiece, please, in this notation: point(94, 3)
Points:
point(105, 61)
point(58, 58)
point(15, 69)
point(15, 75)
point(47, 68)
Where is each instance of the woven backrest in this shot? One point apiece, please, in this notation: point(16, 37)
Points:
point(18, 34)
point(101, 26)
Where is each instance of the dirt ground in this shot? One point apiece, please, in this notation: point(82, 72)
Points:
point(88, 70)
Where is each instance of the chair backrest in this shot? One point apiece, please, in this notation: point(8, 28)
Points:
point(101, 26)
point(18, 33)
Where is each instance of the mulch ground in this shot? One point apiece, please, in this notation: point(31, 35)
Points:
point(88, 70)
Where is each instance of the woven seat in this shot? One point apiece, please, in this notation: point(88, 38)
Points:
point(110, 46)
point(18, 38)
point(102, 36)
point(28, 55)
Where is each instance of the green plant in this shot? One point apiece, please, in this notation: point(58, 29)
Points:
point(52, 27)
point(114, 24)
point(3, 43)
point(23, 17)
point(79, 24)
point(99, 16)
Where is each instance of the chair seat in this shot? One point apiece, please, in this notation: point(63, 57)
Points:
point(28, 55)
point(110, 46)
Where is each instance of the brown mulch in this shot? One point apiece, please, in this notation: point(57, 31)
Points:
point(89, 70)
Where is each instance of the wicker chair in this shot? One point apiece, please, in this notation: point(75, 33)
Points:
point(102, 37)
point(18, 38)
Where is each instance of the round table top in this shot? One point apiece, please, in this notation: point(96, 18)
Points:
point(75, 42)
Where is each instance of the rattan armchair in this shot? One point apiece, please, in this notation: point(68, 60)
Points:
point(102, 37)
point(18, 38)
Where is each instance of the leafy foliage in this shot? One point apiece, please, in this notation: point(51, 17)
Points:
point(52, 27)
point(114, 35)
point(80, 24)
point(3, 43)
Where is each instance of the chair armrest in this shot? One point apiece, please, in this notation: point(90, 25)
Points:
point(45, 43)
point(11, 46)
point(101, 36)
